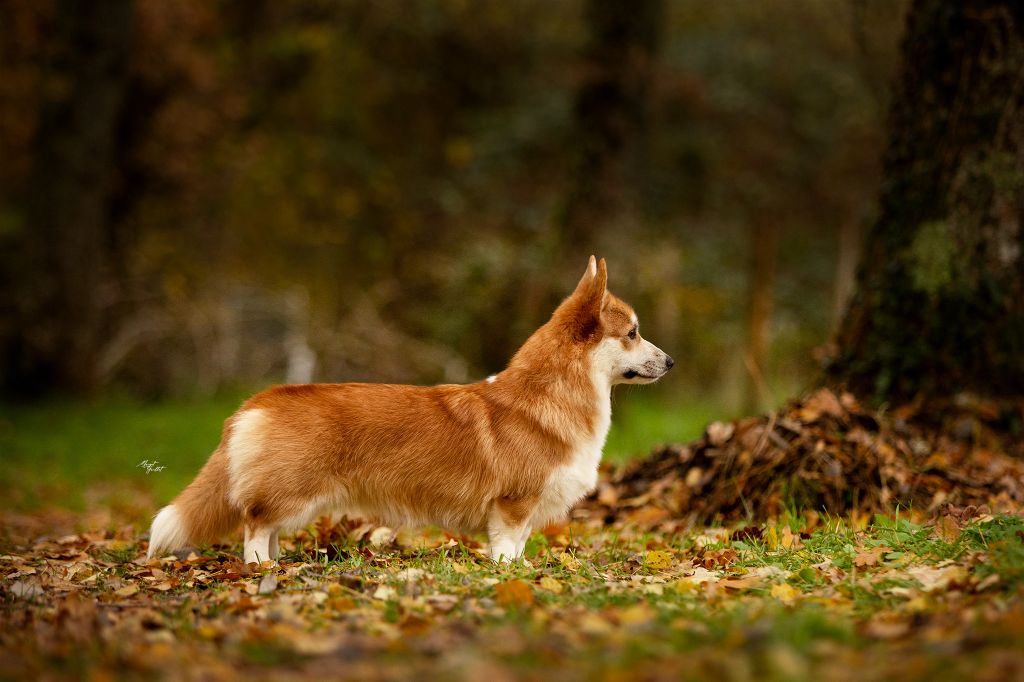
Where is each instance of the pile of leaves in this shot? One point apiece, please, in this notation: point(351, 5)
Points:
point(828, 453)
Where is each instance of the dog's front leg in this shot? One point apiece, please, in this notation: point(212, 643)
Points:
point(508, 529)
point(524, 536)
point(274, 550)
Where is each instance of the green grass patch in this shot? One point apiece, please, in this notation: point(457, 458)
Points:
point(640, 423)
point(1003, 540)
point(54, 452)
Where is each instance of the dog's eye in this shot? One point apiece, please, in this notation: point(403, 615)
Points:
point(632, 333)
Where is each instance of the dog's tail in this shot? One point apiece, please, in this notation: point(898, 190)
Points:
point(200, 514)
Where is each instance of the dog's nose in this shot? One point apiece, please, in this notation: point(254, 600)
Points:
point(669, 361)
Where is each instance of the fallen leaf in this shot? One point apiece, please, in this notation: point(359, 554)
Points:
point(413, 625)
point(948, 529)
point(550, 584)
point(869, 557)
point(988, 582)
point(638, 614)
point(127, 590)
point(886, 626)
point(381, 537)
point(647, 516)
point(748, 533)
point(442, 602)
point(268, 584)
point(657, 560)
point(606, 494)
point(513, 593)
point(410, 574)
point(694, 476)
point(26, 589)
point(385, 593)
point(567, 560)
point(933, 578)
point(341, 604)
point(28, 570)
point(768, 573)
point(743, 583)
point(719, 557)
point(699, 575)
point(823, 401)
point(719, 433)
point(785, 593)
point(208, 632)
point(789, 540)
point(594, 625)
point(711, 536)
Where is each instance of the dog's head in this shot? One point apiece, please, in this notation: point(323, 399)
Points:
point(610, 329)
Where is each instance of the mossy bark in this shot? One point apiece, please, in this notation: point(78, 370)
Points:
point(939, 306)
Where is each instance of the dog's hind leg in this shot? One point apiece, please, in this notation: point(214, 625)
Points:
point(257, 543)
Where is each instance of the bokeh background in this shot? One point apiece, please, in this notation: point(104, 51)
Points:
point(198, 199)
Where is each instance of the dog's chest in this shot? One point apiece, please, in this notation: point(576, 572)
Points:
point(571, 482)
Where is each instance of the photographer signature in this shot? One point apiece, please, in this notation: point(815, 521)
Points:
point(150, 467)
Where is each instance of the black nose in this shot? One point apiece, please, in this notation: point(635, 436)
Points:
point(669, 361)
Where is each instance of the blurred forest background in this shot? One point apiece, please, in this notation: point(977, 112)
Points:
point(201, 196)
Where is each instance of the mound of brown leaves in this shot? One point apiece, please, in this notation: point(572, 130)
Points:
point(827, 453)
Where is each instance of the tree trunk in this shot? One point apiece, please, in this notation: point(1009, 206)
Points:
point(611, 112)
point(60, 303)
point(939, 306)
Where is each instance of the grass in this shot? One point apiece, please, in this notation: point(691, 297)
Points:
point(640, 423)
point(53, 452)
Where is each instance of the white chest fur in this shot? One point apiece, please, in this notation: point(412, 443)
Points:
point(571, 482)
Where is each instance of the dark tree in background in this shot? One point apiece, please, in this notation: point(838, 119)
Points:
point(63, 273)
point(612, 112)
point(940, 301)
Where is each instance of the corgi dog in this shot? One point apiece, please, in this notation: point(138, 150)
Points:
point(507, 455)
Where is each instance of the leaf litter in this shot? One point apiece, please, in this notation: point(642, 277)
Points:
point(637, 586)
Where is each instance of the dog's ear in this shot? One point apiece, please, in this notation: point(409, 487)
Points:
point(594, 280)
point(589, 297)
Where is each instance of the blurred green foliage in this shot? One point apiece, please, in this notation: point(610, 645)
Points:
point(398, 169)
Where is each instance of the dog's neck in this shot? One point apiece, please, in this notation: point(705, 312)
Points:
point(570, 401)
